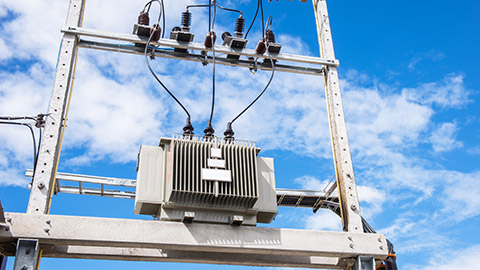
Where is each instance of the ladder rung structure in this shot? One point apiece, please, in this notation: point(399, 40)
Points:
point(109, 187)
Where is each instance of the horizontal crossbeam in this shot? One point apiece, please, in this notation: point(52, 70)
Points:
point(198, 52)
point(127, 239)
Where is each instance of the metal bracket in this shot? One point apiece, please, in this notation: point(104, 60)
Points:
point(27, 254)
point(365, 263)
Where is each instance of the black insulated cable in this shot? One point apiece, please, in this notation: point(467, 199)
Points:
point(35, 155)
point(209, 131)
point(145, 19)
point(254, 18)
point(263, 25)
point(188, 129)
point(229, 131)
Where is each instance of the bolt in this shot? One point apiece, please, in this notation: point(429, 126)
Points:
point(7, 229)
point(381, 247)
point(48, 222)
point(351, 246)
point(27, 251)
point(24, 268)
point(41, 185)
point(380, 240)
point(9, 220)
point(47, 230)
point(353, 207)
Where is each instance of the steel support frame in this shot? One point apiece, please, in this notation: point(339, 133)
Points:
point(152, 240)
point(26, 256)
point(44, 177)
point(347, 189)
point(219, 244)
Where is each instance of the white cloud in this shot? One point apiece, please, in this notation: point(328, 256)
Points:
point(450, 92)
point(461, 195)
point(112, 119)
point(14, 177)
point(463, 259)
point(432, 55)
point(5, 52)
point(324, 220)
point(443, 138)
point(312, 183)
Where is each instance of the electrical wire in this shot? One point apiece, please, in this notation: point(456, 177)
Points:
point(264, 89)
point(35, 156)
point(190, 6)
point(162, 11)
point(263, 25)
point(269, 23)
point(254, 18)
point(153, 73)
point(163, 20)
point(213, 56)
point(228, 9)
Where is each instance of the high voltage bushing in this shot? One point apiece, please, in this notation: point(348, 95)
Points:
point(183, 34)
point(186, 21)
point(141, 28)
point(143, 18)
point(236, 41)
point(239, 26)
point(208, 40)
point(268, 41)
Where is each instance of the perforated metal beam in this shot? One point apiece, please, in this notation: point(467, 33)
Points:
point(347, 189)
point(44, 177)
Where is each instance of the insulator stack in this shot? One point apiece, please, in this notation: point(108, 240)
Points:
point(143, 18)
point(270, 36)
point(208, 39)
point(156, 30)
point(186, 21)
point(261, 47)
point(239, 26)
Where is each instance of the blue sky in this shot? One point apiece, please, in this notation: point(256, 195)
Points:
point(409, 75)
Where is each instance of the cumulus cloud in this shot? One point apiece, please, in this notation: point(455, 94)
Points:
point(431, 55)
point(463, 259)
point(450, 92)
point(443, 138)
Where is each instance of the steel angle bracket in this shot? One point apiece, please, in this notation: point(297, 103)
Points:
point(26, 255)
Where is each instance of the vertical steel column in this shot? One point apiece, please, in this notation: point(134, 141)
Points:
point(3, 262)
point(347, 189)
point(44, 177)
point(364, 263)
point(27, 254)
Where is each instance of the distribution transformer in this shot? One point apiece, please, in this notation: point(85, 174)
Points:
point(197, 179)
